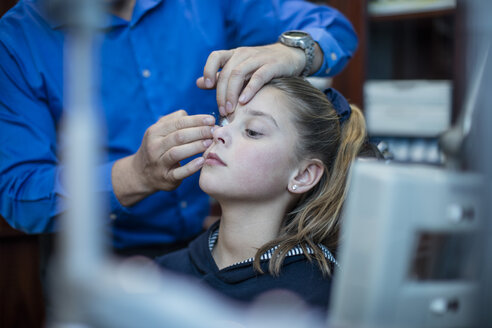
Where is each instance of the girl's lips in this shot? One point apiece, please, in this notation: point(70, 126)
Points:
point(214, 159)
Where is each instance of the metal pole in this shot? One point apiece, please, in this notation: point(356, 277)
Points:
point(81, 240)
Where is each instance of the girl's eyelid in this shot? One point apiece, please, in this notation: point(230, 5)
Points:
point(258, 127)
point(252, 133)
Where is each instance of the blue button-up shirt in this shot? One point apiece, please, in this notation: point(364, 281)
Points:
point(147, 69)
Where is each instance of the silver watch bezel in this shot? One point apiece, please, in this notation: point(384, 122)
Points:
point(302, 40)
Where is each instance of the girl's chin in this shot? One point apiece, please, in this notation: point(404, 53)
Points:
point(209, 188)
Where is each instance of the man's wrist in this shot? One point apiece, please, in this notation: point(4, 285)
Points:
point(318, 59)
point(128, 186)
point(303, 41)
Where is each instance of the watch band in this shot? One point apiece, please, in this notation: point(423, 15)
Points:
point(304, 41)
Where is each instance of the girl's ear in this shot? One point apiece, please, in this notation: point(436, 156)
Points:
point(307, 176)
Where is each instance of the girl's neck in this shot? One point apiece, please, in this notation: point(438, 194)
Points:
point(244, 229)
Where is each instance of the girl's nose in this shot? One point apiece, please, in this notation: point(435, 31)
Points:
point(219, 134)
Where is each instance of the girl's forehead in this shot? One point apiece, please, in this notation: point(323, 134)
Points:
point(268, 100)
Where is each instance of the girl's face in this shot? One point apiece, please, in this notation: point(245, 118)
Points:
point(252, 156)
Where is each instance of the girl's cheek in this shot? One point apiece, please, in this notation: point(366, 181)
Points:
point(263, 161)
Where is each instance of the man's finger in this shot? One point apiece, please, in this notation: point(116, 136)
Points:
point(259, 78)
point(187, 170)
point(240, 55)
point(174, 115)
point(200, 82)
point(236, 82)
point(185, 136)
point(164, 126)
point(215, 61)
point(181, 152)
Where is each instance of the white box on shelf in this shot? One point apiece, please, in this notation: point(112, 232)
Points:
point(407, 108)
point(401, 7)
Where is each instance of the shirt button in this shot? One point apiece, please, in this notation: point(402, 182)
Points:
point(113, 216)
point(334, 56)
point(183, 204)
point(146, 73)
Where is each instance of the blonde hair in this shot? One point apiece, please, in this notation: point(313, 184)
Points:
point(315, 218)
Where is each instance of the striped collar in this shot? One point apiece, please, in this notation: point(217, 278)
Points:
point(297, 250)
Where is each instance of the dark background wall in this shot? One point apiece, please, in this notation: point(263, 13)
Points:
point(21, 297)
point(6, 5)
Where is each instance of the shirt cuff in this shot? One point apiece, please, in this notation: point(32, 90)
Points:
point(334, 57)
point(104, 172)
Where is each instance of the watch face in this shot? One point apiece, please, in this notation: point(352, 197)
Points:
point(296, 34)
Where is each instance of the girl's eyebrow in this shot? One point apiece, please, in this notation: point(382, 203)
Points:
point(253, 112)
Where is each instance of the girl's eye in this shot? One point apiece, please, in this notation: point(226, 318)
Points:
point(253, 134)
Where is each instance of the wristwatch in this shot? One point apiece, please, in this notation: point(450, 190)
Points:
point(302, 40)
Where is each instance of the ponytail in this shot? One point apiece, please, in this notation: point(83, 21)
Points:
point(353, 136)
point(315, 218)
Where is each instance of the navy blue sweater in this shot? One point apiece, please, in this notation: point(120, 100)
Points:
point(241, 282)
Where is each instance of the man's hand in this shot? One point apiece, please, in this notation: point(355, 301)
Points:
point(254, 65)
point(155, 166)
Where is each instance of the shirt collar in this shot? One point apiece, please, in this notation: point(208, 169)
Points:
point(109, 20)
point(141, 8)
point(297, 250)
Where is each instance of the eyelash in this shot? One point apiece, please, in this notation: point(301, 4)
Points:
point(250, 133)
point(253, 134)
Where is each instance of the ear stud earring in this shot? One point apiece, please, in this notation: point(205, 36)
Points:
point(294, 187)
